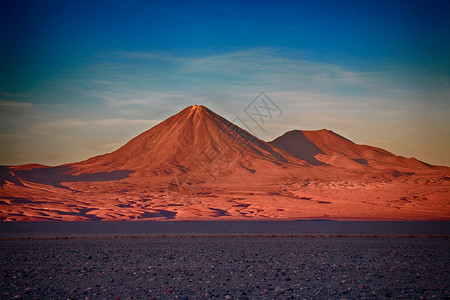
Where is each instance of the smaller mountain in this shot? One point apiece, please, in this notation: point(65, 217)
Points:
point(196, 165)
point(324, 147)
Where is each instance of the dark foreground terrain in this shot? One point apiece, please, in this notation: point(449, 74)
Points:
point(225, 268)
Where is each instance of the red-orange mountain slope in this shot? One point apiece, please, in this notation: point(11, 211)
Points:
point(196, 165)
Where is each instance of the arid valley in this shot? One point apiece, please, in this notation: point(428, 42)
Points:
point(196, 165)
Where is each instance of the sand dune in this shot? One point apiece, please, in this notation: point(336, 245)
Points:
point(196, 165)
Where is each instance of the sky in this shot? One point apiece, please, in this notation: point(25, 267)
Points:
point(81, 78)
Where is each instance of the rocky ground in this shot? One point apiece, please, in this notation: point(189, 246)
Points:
point(225, 268)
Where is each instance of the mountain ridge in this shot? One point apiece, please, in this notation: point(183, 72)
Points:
point(196, 165)
point(327, 147)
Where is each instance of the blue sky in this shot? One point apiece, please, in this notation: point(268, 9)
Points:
point(80, 78)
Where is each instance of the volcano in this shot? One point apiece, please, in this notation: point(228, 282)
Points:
point(196, 165)
point(196, 140)
point(326, 147)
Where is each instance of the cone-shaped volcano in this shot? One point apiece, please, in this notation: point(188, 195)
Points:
point(195, 139)
point(197, 165)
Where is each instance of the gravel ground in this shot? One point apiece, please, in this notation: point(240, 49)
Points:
point(225, 268)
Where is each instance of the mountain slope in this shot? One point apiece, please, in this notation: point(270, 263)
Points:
point(196, 165)
point(195, 138)
point(196, 142)
point(326, 147)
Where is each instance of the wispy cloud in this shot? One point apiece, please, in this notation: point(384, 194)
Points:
point(146, 98)
point(121, 94)
point(254, 67)
point(4, 103)
point(119, 122)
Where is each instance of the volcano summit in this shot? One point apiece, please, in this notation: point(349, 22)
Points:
point(196, 165)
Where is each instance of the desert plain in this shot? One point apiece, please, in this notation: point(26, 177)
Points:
point(244, 201)
point(226, 268)
point(196, 165)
